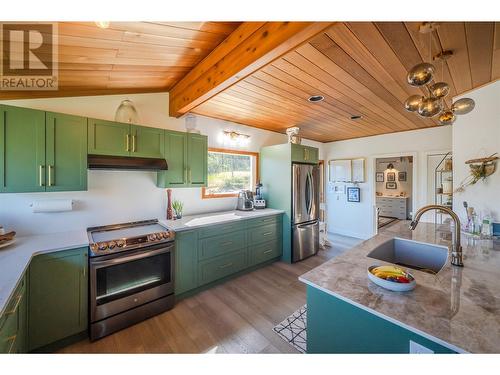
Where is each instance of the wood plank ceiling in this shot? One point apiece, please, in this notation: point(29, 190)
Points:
point(129, 56)
point(360, 68)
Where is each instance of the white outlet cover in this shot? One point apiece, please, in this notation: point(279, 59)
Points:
point(416, 348)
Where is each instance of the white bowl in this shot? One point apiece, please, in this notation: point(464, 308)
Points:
point(392, 285)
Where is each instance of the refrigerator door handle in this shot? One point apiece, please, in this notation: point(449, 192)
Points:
point(311, 192)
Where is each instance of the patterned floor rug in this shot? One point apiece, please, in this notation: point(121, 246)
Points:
point(293, 329)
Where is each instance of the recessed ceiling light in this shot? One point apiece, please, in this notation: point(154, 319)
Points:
point(356, 117)
point(316, 98)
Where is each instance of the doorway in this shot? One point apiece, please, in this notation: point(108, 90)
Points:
point(393, 189)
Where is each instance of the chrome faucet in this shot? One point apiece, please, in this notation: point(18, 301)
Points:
point(456, 248)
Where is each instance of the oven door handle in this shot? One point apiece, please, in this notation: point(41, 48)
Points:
point(119, 259)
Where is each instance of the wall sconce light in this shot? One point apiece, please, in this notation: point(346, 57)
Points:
point(235, 138)
point(126, 112)
point(390, 166)
point(190, 123)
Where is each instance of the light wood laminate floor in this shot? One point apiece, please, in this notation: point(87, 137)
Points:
point(234, 317)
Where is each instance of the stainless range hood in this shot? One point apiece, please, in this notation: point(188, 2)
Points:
point(126, 163)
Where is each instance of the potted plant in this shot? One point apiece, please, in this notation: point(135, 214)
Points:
point(178, 206)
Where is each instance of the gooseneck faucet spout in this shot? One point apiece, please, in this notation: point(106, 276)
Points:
point(456, 248)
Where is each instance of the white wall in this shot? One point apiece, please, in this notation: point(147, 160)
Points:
point(358, 219)
point(475, 135)
point(121, 196)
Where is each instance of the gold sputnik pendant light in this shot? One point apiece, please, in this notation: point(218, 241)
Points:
point(422, 75)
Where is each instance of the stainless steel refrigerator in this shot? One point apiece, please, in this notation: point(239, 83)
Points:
point(305, 211)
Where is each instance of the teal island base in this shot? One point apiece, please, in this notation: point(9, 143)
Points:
point(336, 326)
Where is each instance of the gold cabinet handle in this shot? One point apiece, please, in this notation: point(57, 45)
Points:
point(267, 233)
point(51, 168)
point(40, 175)
point(189, 175)
point(226, 243)
point(185, 175)
point(226, 265)
point(127, 137)
point(267, 251)
point(134, 138)
point(12, 340)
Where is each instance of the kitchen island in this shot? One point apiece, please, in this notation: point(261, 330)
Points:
point(455, 311)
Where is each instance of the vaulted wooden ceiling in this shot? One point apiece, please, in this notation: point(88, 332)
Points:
point(261, 73)
point(360, 68)
point(129, 56)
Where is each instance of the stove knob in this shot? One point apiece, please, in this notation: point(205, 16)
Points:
point(158, 236)
point(111, 244)
point(151, 237)
point(120, 243)
point(165, 235)
point(94, 247)
point(102, 246)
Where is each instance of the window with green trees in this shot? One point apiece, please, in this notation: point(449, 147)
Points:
point(229, 172)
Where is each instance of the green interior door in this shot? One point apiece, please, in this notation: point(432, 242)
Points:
point(175, 154)
point(22, 150)
point(57, 305)
point(66, 140)
point(197, 159)
point(109, 138)
point(147, 142)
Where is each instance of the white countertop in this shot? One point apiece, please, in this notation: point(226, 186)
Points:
point(14, 259)
point(211, 218)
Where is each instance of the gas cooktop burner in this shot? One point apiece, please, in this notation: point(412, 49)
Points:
point(110, 239)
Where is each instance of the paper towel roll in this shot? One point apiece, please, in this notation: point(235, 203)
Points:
point(52, 205)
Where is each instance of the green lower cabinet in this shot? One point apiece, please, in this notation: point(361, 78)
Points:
point(57, 304)
point(222, 266)
point(22, 150)
point(66, 152)
point(264, 252)
point(336, 326)
point(222, 244)
point(186, 261)
point(13, 322)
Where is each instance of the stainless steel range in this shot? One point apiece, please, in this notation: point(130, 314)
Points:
point(131, 274)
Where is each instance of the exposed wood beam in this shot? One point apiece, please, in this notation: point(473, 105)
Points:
point(250, 47)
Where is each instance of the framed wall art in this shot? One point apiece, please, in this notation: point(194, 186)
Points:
point(401, 176)
point(391, 176)
point(379, 177)
point(353, 194)
point(391, 185)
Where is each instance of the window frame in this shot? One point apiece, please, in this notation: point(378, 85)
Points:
point(205, 195)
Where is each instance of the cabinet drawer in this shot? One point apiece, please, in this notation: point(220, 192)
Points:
point(11, 321)
point(223, 244)
point(225, 265)
point(264, 233)
point(252, 223)
point(264, 252)
point(216, 230)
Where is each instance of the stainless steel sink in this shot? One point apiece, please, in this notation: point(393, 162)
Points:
point(412, 254)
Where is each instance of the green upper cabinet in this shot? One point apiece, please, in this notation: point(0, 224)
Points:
point(304, 154)
point(147, 142)
point(120, 139)
point(57, 302)
point(66, 152)
point(22, 150)
point(186, 156)
point(109, 138)
point(197, 160)
point(175, 154)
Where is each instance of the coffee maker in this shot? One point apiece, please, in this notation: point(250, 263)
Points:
point(259, 201)
point(245, 200)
